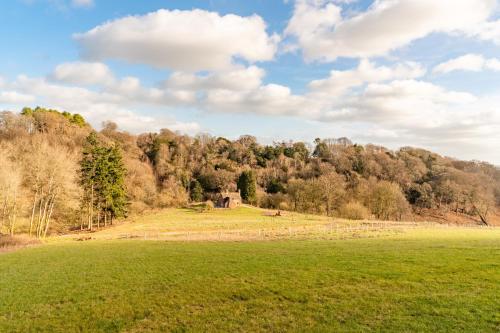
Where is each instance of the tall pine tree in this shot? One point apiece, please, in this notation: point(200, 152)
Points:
point(247, 187)
point(102, 177)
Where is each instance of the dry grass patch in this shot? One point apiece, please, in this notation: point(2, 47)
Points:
point(10, 243)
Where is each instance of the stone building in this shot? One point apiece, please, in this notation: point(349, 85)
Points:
point(228, 200)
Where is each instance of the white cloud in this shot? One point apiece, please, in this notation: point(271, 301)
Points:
point(418, 113)
point(182, 40)
point(137, 123)
point(489, 31)
point(271, 99)
point(240, 90)
point(340, 82)
point(14, 97)
point(386, 25)
point(115, 102)
point(82, 3)
point(493, 64)
point(403, 104)
point(389, 104)
point(83, 73)
point(236, 79)
point(468, 62)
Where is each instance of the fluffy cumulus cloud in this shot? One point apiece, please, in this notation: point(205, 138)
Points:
point(111, 100)
point(214, 68)
point(240, 90)
point(340, 82)
point(488, 31)
point(14, 97)
point(419, 113)
point(324, 34)
point(394, 101)
point(236, 79)
point(401, 103)
point(83, 73)
point(468, 62)
point(193, 40)
point(271, 99)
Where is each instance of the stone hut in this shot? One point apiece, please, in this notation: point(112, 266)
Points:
point(228, 200)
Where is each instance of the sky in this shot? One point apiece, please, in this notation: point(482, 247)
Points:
point(397, 73)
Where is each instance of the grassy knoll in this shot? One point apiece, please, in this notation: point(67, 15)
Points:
point(434, 281)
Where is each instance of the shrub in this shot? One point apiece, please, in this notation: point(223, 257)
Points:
point(275, 186)
point(272, 201)
point(284, 205)
point(208, 206)
point(354, 211)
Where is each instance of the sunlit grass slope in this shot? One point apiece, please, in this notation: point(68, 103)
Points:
point(420, 281)
point(194, 220)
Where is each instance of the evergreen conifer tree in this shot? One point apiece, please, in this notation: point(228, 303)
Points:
point(247, 187)
point(102, 177)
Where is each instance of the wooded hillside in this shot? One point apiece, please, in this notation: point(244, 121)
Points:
point(57, 173)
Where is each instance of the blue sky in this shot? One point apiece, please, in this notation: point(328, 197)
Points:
point(422, 73)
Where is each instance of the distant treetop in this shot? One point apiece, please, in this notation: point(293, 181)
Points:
point(73, 118)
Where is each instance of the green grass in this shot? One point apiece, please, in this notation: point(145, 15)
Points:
point(445, 280)
point(174, 224)
point(188, 219)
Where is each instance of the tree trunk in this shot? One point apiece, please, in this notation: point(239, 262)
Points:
point(43, 219)
point(4, 212)
point(482, 216)
point(91, 207)
point(32, 219)
point(51, 209)
point(98, 216)
point(14, 217)
point(40, 214)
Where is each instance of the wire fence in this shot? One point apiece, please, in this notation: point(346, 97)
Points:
point(323, 231)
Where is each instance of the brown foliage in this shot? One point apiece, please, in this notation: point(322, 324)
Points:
point(39, 153)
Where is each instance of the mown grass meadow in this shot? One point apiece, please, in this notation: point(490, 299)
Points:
point(427, 281)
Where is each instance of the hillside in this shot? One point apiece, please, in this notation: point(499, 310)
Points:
point(246, 223)
point(59, 174)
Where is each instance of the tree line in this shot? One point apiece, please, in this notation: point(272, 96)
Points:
point(58, 173)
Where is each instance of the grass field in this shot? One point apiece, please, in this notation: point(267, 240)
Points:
point(415, 280)
point(194, 220)
point(243, 224)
